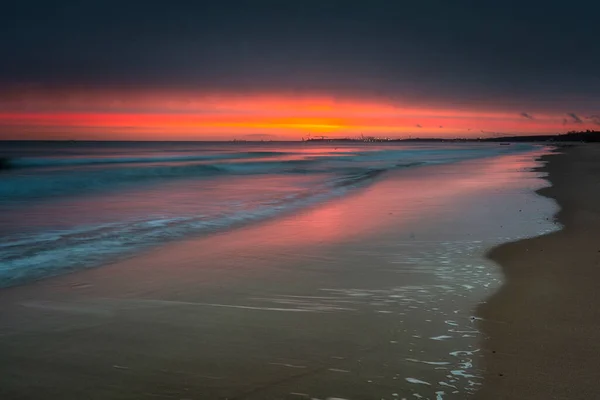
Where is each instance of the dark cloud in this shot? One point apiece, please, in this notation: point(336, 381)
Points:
point(485, 53)
point(594, 118)
point(575, 118)
point(526, 115)
point(419, 126)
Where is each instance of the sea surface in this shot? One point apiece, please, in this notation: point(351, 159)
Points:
point(71, 205)
point(256, 270)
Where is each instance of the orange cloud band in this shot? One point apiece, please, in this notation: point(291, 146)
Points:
point(213, 117)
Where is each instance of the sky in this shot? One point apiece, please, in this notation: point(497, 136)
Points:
point(283, 70)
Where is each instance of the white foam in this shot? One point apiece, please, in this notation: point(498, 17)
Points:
point(288, 365)
point(447, 384)
point(460, 372)
point(465, 352)
point(441, 337)
point(417, 381)
point(428, 362)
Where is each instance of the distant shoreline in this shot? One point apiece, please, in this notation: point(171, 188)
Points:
point(572, 136)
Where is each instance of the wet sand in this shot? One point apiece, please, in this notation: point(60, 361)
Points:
point(543, 326)
point(370, 296)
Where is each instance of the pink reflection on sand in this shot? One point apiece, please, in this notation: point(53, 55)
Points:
point(397, 201)
point(389, 210)
point(400, 201)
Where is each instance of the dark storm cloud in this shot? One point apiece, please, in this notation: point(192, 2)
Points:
point(575, 118)
point(526, 115)
point(594, 118)
point(511, 53)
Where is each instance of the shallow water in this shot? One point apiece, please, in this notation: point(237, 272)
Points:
point(65, 206)
point(366, 296)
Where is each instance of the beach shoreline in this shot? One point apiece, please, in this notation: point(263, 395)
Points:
point(542, 326)
point(366, 296)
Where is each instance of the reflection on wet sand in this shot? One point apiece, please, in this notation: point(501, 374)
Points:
point(366, 297)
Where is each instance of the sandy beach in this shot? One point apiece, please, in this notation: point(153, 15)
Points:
point(543, 326)
point(371, 296)
point(296, 200)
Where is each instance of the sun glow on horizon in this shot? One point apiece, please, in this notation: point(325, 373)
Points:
point(171, 116)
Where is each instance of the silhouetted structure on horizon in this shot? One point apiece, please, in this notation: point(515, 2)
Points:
point(571, 136)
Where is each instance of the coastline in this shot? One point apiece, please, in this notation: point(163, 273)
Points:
point(367, 296)
point(542, 327)
point(59, 214)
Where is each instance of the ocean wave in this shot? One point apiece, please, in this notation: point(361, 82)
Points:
point(37, 162)
point(4, 163)
point(56, 184)
point(34, 256)
point(68, 183)
point(38, 254)
point(48, 182)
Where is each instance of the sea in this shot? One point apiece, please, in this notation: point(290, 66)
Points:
point(66, 206)
point(306, 270)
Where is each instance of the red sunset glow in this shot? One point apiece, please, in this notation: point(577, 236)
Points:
point(168, 116)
